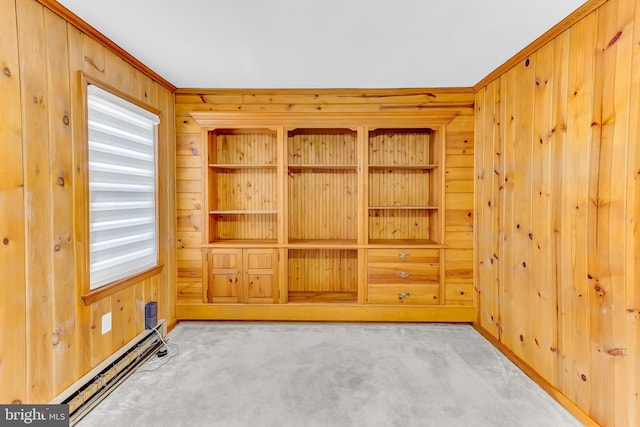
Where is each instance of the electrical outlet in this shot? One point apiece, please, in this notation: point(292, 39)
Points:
point(106, 323)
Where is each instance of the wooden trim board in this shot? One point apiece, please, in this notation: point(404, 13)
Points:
point(325, 312)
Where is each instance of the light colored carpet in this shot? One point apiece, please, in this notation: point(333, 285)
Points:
point(326, 374)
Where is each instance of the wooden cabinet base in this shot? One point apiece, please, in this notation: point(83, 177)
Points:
point(324, 312)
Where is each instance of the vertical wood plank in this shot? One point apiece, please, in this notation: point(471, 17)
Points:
point(63, 279)
point(39, 249)
point(75, 42)
point(169, 165)
point(606, 263)
point(489, 206)
point(13, 374)
point(492, 203)
point(479, 250)
point(123, 318)
point(101, 344)
point(521, 332)
point(166, 200)
point(558, 163)
point(164, 193)
point(632, 266)
point(508, 305)
point(573, 268)
point(543, 291)
point(139, 303)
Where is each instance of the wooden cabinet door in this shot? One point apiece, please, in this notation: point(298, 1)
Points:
point(225, 279)
point(261, 275)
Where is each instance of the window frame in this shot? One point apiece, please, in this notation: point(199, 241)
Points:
point(82, 200)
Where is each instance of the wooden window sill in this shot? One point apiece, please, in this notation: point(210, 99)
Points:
point(112, 288)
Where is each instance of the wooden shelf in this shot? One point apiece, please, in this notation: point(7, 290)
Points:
point(243, 211)
point(403, 167)
point(242, 243)
point(403, 208)
point(323, 167)
point(420, 243)
point(241, 166)
point(321, 243)
point(322, 297)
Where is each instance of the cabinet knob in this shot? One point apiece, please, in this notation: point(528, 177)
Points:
point(403, 255)
point(404, 295)
point(403, 274)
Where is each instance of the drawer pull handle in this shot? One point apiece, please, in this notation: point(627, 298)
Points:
point(403, 274)
point(403, 255)
point(404, 295)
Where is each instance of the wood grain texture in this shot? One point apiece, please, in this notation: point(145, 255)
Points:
point(55, 337)
point(631, 289)
point(39, 250)
point(322, 270)
point(13, 367)
point(61, 188)
point(568, 209)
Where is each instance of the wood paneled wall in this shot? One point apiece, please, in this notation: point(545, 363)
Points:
point(458, 173)
point(558, 211)
point(49, 337)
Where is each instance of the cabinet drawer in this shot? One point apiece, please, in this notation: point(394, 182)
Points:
point(404, 294)
point(403, 255)
point(403, 273)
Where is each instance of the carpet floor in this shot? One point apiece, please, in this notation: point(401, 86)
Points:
point(328, 374)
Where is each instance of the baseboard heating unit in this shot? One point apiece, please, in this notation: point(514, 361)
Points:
point(89, 390)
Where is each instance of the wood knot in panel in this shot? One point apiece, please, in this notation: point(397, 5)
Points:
point(6, 71)
point(61, 181)
point(614, 39)
point(5, 241)
point(617, 351)
point(55, 338)
point(65, 120)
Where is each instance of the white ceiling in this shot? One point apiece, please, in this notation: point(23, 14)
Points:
point(322, 43)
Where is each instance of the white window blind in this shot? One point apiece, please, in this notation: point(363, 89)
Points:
point(122, 188)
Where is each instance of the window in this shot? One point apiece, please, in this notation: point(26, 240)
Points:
point(122, 188)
